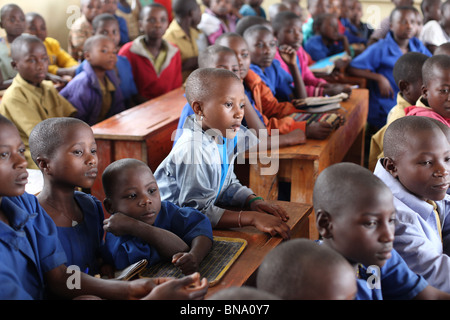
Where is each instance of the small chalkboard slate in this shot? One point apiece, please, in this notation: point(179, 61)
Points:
point(223, 253)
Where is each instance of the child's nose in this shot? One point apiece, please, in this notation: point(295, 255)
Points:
point(145, 201)
point(19, 161)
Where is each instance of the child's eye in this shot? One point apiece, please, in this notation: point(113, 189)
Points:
point(4, 155)
point(444, 91)
point(77, 152)
point(228, 104)
point(22, 151)
point(132, 196)
point(242, 106)
point(370, 224)
point(93, 151)
point(152, 190)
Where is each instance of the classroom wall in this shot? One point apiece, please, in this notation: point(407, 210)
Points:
point(60, 13)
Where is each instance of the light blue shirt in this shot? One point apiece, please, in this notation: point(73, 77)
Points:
point(417, 238)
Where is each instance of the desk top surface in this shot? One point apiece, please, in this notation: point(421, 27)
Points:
point(137, 122)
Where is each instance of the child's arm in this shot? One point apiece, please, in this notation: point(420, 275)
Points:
point(386, 90)
point(164, 241)
point(189, 262)
point(289, 56)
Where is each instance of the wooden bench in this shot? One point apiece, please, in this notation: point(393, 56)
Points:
point(143, 132)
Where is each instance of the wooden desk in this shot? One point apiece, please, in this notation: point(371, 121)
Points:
point(143, 132)
point(243, 270)
point(301, 164)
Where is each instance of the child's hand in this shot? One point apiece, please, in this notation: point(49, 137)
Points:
point(271, 224)
point(187, 288)
point(271, 208)
point(332, 89)
point(295, 137)
point(186, 261)
point(118, 224)
point(318, 130)
point(384, 85)
point(288, 54)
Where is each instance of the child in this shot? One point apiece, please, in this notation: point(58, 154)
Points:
point(34, 267)
point(107, 25)
point(355, 215)
point(198, 172)
point(275, 114)
point(81, 29)
point(435, 73)
point(102, 96)
point(110, 6)
point(328, 41)
point(30, 99)
point(356, 27)
point(407, 75)
point(262, 48)
point(156, 64)
point(287, 28)
point(140, 221)
point(183, 33)
point(276, 8)
point(443, 49)
point(130, 12)
point(253, 8)
point(248, 21)
point(436, 32)
point(65, 151)
point(315, 7)
point(416, 169)
point(12, 20)
point(60, 62)
point(377, 61)
point(431, 10)
point(301, 269)
point(218, 18)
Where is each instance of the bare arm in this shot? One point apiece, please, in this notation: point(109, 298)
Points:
point(289, 56)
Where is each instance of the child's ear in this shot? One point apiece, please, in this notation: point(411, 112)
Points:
point(108, 205)
point(425, 92)
point(14, 64)
point(403, 86)
point(197, 106)
point(323, 223)
point(42, 164)
point(390, 166)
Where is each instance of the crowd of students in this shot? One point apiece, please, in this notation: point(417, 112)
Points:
point(242, 68)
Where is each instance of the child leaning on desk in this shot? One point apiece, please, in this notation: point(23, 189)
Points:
point(198, 172)
point(142, 226)
point(35, 265)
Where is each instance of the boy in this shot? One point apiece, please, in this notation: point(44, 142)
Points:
point(30, 99)
point(198, 172)
point(377, 62)
point(262, 48)
point(101, 95)
point(81, 29)
point(12, 20)
point(183, 33)
point(416, 169)
point(60, 62)
point(65, 151)
point(156, 64)
point(34, 266)
point(435, 88)
point(436, 32)
point(301, 269)
point(110, 6)
point(143, 227)
point(355, 215)
point(407, 74)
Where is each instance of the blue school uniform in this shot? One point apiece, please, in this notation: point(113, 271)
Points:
point(29, 247)
point(187, 223)
point(83, 243)
point(318, 50)
point(381, 57)
point(277, 79)
point(394, 281)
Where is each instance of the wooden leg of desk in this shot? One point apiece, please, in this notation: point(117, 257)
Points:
point(356, 152)
point(265, 186)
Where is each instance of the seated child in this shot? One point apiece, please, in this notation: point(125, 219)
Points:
point(218, 18)
point(435, 90)
point(60, 63)
point(327, 40)
point(36, 267)
point(107, 25)
point(156, 64)
point(287, 28)
point(183, 33)
point(252, 8)
point(276, 115)
point(377, 62)
point(436, 32)
point(143, 227)
point(358, 28)
point(301, 269)
point(262, 48)
point(431, 10)
point(248, 21)
point(30, 99)
point(81, 29)
point(65, 151)
point(198, 172)
point(276, 8)
point(102, 96)
point(407, 74)
point(315, 7)
point(294, 6)
point(110, 6)
point(416, 169)
point(130, 12)
point(12, 20)
point(356, 216)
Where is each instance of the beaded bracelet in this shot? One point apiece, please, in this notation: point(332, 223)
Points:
point(254, 199)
